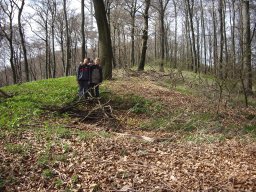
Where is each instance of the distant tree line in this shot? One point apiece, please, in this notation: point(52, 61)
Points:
point(205, 36)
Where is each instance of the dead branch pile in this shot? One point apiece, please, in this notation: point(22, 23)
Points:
point(90, 110)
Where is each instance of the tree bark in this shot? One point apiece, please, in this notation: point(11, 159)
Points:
point(68, 52)
point(221, 39)
point(9, 37)
point(23, 44)
point(175, 34)
point(82, 31)
point(144, 37)
point(190, 12)
point(247, 46)
point(104, 38)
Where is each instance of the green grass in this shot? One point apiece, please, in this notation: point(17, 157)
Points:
point(251, 129)
point(30, 97)
point(48, 174)
point(16, 148)
point(204, 138)
point(133, 103)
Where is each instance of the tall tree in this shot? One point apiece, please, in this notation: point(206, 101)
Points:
point(132, 8)
point(22, 37)
point(104, 38)
point(221, 38)
point(68, 48)
point(190, 9)
point(175, 33)
point(144, 36)
point(8, 31)
point(84, 54)
point(247, 46)
point(161, 6)
point(53, 10)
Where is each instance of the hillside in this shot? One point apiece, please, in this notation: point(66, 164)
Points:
point(147, 132)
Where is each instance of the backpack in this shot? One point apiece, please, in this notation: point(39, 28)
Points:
point(95, 75)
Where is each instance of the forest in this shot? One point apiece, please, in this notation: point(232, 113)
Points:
point(177, 105)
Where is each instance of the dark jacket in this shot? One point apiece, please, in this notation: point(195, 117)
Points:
point(83, 73)
point(96, 74)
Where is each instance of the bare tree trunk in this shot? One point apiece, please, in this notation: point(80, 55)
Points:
point(23, 44)
point(119, 45)
point(190, 12)
point(162, 38)
point(68, 52)
point(226, 66)
point(9, 37)
point(53, 14)
point(106, 54)
point(82, 31)
point(133, 39)
point(233, 39)
point(47, 63)
point(221, 38)
point(198, 45)
point(114, 47)
point(144, 37)
point(132, 9)
point(215, 42)
point(247, 46)
point(204, 39)
point(175, 34)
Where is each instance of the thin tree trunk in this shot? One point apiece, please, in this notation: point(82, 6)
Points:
point(175, 34)
point(53, 13)
point(68, 52)
point(215, 42)
point(233, 39)
point(204, 39)
point(9, 37)
point(82, 31)
point(162, 47)
point(190, 12)
point(221, 38)
point(23, 44)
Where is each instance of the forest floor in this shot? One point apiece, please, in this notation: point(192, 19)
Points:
point(148, 132)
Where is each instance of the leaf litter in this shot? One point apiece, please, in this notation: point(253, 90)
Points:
point(133, 159)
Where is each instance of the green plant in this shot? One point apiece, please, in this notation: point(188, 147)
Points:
point(158, 123)
point(43, 159)
point(66, 148)
point(58, 183)
point(250, 129)
point(2, 184)
point(48, 174)
point(63, 132)
point(84, 135)
point(15, 148)
point(61, 157)
point(74, 179)
point(204, 138)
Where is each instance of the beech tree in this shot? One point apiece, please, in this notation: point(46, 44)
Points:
point(104, 38)
point(144, 36)
point(7, 29)
point(247, 46)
